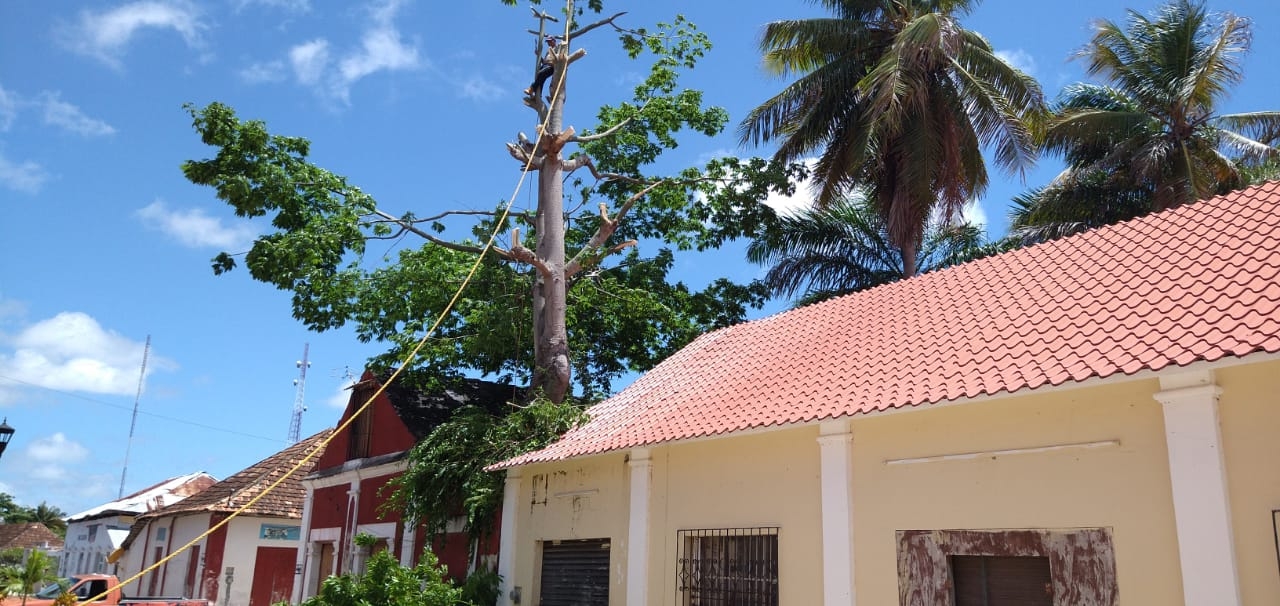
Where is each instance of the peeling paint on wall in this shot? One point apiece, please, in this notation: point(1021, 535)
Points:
point(1081, 562)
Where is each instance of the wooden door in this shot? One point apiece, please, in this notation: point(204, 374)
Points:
point(272, 575)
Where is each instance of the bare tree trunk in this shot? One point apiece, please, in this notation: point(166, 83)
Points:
point(551, 370)
point(909, 252)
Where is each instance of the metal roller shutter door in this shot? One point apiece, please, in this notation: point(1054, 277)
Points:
point(575, 573)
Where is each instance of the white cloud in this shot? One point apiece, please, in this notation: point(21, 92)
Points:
point(258, 73)
point(8, 109)
point(309, 60)
point(56, 449)
point(69, 117)
point(1020, 59)
point(195, 229)
point(974, 214)
point(381, 49)
point(105, 35)
point(340, 397)
point(72, 352)
point(480, 89)
point(298, 6)
point(799, 201)
point(27, 176)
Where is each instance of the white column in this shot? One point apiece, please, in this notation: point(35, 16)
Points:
point(507, 537)
point(638, 528)
point(407, 540)
point(836, 446)
point(310, 571)
point(1201, 509)
point(304, 543)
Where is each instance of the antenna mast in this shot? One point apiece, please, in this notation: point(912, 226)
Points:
point(299, 407)
point(142, 375)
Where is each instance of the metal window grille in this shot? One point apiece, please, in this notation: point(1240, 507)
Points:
point(727, 567)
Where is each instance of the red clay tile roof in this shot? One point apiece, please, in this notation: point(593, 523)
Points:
point(1200, 282)
point(28, 535)
point(232, 493)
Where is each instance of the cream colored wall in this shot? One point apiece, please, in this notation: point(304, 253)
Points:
point(1124, 487)
point(185, 528)
point(580, 499)
point(768, 479)
point(773, 478)
point(243, 541)
point(1249, 409)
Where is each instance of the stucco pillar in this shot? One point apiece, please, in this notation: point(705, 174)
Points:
point(310, 571)
point(407, 540)
point(638, 528)
point(835, 443)
point(1201, 509)
point(304, 546)
point(507, 537)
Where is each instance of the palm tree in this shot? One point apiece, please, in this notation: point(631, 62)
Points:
point(1150, 138)
point(52, 517)
point(897, 99)
point(36, 571)
point(845, 247)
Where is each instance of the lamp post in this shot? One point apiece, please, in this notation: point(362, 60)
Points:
point(6, 433)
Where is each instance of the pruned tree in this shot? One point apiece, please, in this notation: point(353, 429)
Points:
point(598, 308)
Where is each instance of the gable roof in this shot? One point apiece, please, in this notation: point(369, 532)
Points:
point(164, 493)
point(28, 535)
point(422, 410)
point(238, 489)
point(1196, 283)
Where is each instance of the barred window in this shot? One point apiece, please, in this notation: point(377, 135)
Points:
point(727, 567)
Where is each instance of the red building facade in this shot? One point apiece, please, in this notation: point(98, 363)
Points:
point(347, 488)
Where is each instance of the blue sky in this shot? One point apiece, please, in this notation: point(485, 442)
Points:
point(106, 243)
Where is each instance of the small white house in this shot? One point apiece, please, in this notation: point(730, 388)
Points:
point(93, 534)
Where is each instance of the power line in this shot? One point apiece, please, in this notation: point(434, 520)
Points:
point(143, 412)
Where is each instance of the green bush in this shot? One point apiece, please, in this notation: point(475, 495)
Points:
point(481, 588)
point(387, 583)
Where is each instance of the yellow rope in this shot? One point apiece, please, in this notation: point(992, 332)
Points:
point(318, 448)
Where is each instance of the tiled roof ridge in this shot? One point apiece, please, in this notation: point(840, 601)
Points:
point(1197, 282)
point(237, 489)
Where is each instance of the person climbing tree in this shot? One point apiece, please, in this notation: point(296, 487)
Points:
point(545, 69)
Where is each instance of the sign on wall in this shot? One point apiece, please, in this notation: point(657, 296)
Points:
point(279, 532)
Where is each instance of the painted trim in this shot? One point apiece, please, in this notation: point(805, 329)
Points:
point(304, 549)
point(835, 445)
point(322, 535)
point(382, 530)
point(346, 476)
point(1198, 477)
point(407, 540)
point(641, 465)
point(507, 538)
point(964, 456)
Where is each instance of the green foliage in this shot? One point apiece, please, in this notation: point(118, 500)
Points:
point(1150, 137)
point(482, 588)
point(52, 517)
point(624, 311)
point(23, 579)
point(823, 253)
point(66, 598)
point(386, 583)
point(11, 556)
point(897, 99)
point(446, 477)
point(364, 539)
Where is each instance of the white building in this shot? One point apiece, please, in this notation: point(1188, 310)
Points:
point(93, 534)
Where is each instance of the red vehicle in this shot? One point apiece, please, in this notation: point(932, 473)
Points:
point(86, 586)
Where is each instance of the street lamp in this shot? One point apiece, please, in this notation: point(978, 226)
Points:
point(6, 433)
